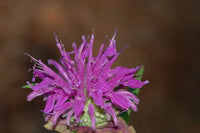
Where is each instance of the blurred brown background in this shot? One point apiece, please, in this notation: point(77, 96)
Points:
point(163, 35)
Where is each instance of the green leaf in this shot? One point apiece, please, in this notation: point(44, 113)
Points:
point(28, 86)
point(126, 116)
point(135, 91)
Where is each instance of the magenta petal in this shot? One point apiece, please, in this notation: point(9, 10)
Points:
point(120, 74)
point(63, 109)
point(49, 104)
point(129, 95)
point(69, 115)
point(97, 97)
point(91, 113)
point(42, 85)
point(133, 106)
point(119, 100)
point(58, 79)
point(134, 83)
point(78, 106)
point(115, 81)
point(40, 74)
point(101, 84)
point(90, 56)
point(34, 94)
point(61, 99)
point(110, 111)
point(60, 69)
point(122, 71)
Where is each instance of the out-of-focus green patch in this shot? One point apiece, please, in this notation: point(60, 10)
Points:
point(135, 91)
point(28, 86)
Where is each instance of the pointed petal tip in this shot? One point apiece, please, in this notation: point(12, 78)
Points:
point(29, 56)
point(139, 67)
point(137, 101)
point(26, 54)
point(29, 98)
point(92, 36)
point(83, 38)
point(56, 37)
point(133, 107)
point(123, 49)
point(58, 45)
point(146, 82)
point(115, 33)
point(29, 84)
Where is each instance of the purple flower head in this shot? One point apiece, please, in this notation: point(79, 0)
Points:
point(85, 91)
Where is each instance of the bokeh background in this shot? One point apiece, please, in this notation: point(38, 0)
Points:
point(164, 36)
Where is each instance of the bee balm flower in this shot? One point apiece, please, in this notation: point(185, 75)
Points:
point(85, 91)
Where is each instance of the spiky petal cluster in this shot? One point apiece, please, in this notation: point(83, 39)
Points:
point(86, 78)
